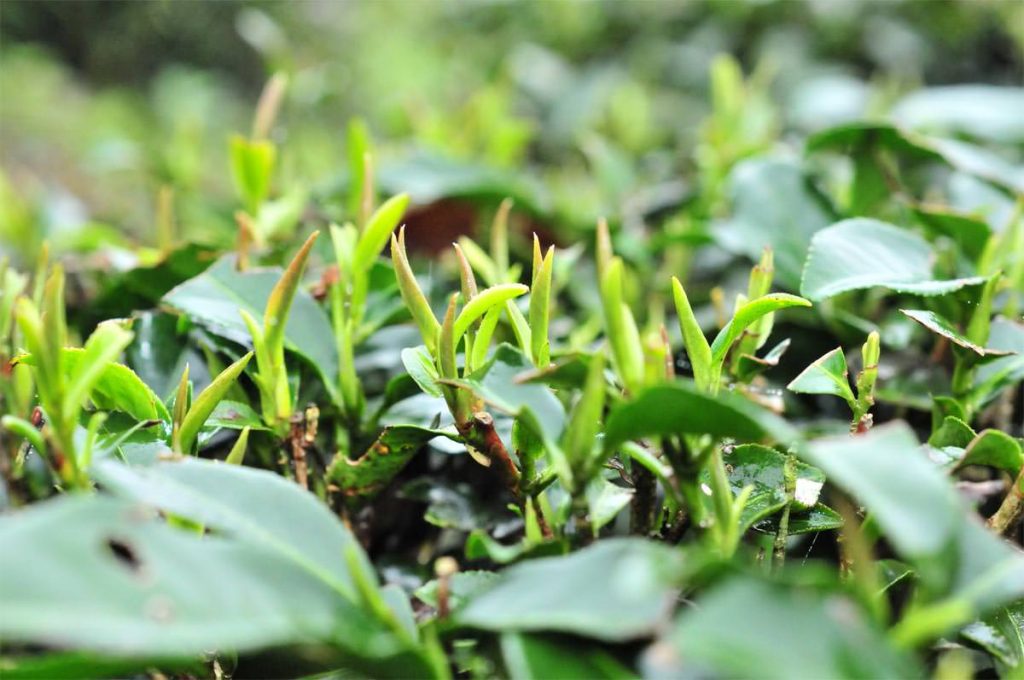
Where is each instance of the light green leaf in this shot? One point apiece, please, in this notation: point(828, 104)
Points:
point(484, 301)
point(697, 347)
point(827, 375)
point(204, 404)
point(116, 389)
point(252, 163)
point(378, 231)
point(747, 315)
point(420, 366)
point(104, 345)
point(605, 501)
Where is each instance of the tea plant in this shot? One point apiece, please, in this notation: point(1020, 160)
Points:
point(614, 455)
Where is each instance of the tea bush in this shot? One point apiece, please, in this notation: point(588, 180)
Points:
point(764, 421)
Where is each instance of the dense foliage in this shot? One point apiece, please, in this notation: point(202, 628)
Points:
point(765, 420)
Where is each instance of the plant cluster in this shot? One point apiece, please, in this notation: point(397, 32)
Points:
point(317, 454)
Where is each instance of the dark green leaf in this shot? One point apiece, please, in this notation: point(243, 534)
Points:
point(864, 253)
point(367, 475)
point(679, 407)
point(529, 657)
point(748, 628)
point(994, 448)
point(910, 498)
point(214, 298)
point(105, 574)
point(259, 506)
point(636, 580)
point(940, 326)
point(774, 205)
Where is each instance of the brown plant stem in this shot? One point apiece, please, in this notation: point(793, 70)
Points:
point(481, 435)
point(1012, 508)
point(644, 501)
point(297, 440)
point(542, 521)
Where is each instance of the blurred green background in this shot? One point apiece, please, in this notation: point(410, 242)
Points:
point(576, 109)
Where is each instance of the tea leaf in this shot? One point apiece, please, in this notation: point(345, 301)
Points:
point(827, 375)
point(204, 404)
point(864, 253)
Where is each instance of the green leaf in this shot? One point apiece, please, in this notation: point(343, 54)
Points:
point(214, 298)
point(233, 415)
point(774, 205)
point(255, 505)
point(697, 347)
point(748, 314)
point(827, 375)
point(636, 580)
point(531, 656)
point(749, 365)
point(104, 345)
point(863, 253)
point(203, 405)
point(993, 377)
point(952, 432)
point(462, 586)
point(420, 366)
point(866, 137)
point(910, 498)
point(970, 233)
point(484, 301)
point(106, 574)
point(750, 628)
point(682, 408)
point(497, 383)
point(994, 448)
point(367, 475)
point(819, 518)
point(252, 162)
point(116, 389)
point(989, 572)
point(763, 467)
point(940, 326)
point(986, 112)
point(605, 501)
point(1002, 635)
point(377, 234)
